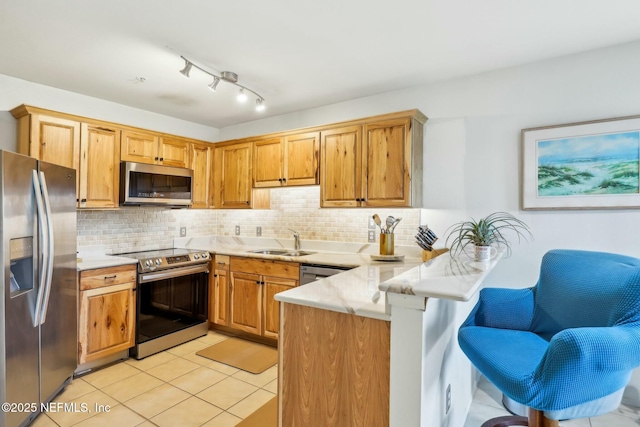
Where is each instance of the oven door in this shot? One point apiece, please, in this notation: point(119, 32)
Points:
point(172, 300)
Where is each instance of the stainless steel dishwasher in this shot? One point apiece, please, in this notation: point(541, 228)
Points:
point(312, 272)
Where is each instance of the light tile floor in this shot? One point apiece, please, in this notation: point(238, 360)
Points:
point(177, 388)
point(487, 403)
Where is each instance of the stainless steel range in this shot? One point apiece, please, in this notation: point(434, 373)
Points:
point(172, 298)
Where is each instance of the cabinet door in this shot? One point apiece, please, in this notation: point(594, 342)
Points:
point(246, 302)
point(174, 152)
point(201, 166)
point(268, 160)
point(139, 147)
point(220, 306)
point(301, 159)
point(271, 307)
point(387, 156)
point(107, 321)
point(55, 140)
point(234, 166)
point(99, 167)
point(341, 167)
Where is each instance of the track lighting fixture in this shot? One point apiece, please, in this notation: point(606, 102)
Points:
point(226, 76)
point(187, 68)
point(214, 85)
point(242, 97)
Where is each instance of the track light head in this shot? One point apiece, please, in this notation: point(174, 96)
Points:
point(214, 85)
point(260, 104)
point(242, 97)
point(187, 68)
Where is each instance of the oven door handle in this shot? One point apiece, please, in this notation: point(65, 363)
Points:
point(172, 272)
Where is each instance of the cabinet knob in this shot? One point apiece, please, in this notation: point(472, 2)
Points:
point(161, 159)
point(284, 179)
point(83, 201)
point(248, 202)
point(156, 159)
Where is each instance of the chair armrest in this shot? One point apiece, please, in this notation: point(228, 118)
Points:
point(591, 362)
point(503, 308)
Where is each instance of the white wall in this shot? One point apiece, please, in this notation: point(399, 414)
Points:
point(14, 92)
point(472, 154)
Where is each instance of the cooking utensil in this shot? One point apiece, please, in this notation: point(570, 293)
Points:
point(378, 221)
point(395, 223)
point(389, 223)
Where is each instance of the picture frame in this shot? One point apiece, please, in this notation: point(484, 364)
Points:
point(585, 165)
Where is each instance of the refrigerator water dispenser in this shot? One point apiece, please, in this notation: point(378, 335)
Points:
point(22, 272)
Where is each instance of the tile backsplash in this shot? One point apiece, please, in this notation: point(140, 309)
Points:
point(146, 228)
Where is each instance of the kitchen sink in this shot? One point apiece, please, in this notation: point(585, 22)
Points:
point(298, 253)
point(270, 251)
point(285, 252)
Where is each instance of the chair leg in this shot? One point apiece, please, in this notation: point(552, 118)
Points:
point(537, 419)
point(509, 420)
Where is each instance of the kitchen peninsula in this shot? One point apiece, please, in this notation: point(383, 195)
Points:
point(348, 361)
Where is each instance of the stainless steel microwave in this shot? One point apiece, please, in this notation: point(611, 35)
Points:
point(144, 184)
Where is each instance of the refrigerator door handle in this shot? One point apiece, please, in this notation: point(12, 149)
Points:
point(51, 243)
point(45, 247)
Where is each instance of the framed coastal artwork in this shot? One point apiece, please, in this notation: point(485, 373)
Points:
point(588, 165)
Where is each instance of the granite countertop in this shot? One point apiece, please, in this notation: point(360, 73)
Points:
point(91, 261)
point(444, 277)
point(362, 290)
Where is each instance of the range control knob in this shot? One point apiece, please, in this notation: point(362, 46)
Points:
point(158, 261)
point(196, 256)
point(147, 263)
point(205, 255)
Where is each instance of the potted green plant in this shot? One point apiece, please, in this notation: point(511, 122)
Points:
point(486, 234)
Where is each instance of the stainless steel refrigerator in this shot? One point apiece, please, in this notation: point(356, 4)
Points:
point(38, 303)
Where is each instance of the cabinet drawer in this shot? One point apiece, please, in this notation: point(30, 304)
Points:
point(266, 267)
point(101, 277)
point(221, 262)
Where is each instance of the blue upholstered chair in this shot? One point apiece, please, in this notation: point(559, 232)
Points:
point(565, 347)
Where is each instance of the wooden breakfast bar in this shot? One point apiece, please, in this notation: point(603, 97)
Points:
point(358, 348)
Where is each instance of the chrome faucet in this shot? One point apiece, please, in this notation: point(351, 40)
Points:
point(296, 239)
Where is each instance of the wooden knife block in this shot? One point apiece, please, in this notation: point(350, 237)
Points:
point(428, 256)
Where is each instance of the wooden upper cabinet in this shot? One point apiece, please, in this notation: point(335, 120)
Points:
point(49, 138)
point(301, 158)
point(269, 162)
point(286, 161)
point(201, 158)
point(139, 147)
point(174, 152)
point(99, 167)
point(233, 172)
point(341, 167)
point(373, 165)
point(387, 163)
point(149, 148)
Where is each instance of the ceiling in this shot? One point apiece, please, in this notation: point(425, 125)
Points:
point(297, 54)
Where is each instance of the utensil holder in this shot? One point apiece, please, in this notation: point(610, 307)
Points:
point(386, 244)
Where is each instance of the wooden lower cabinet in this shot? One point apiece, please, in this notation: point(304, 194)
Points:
point(219, 291)
point(252, 286)
point(334, 369)
point(106, 323)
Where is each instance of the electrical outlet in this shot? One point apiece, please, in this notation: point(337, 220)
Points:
point(448, 399)
point(372, 236)
point(372, 223)
point(183, 231)
point(258, 231)
point(237, 230)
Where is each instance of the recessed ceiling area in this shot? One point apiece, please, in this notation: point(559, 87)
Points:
point(296, 54)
